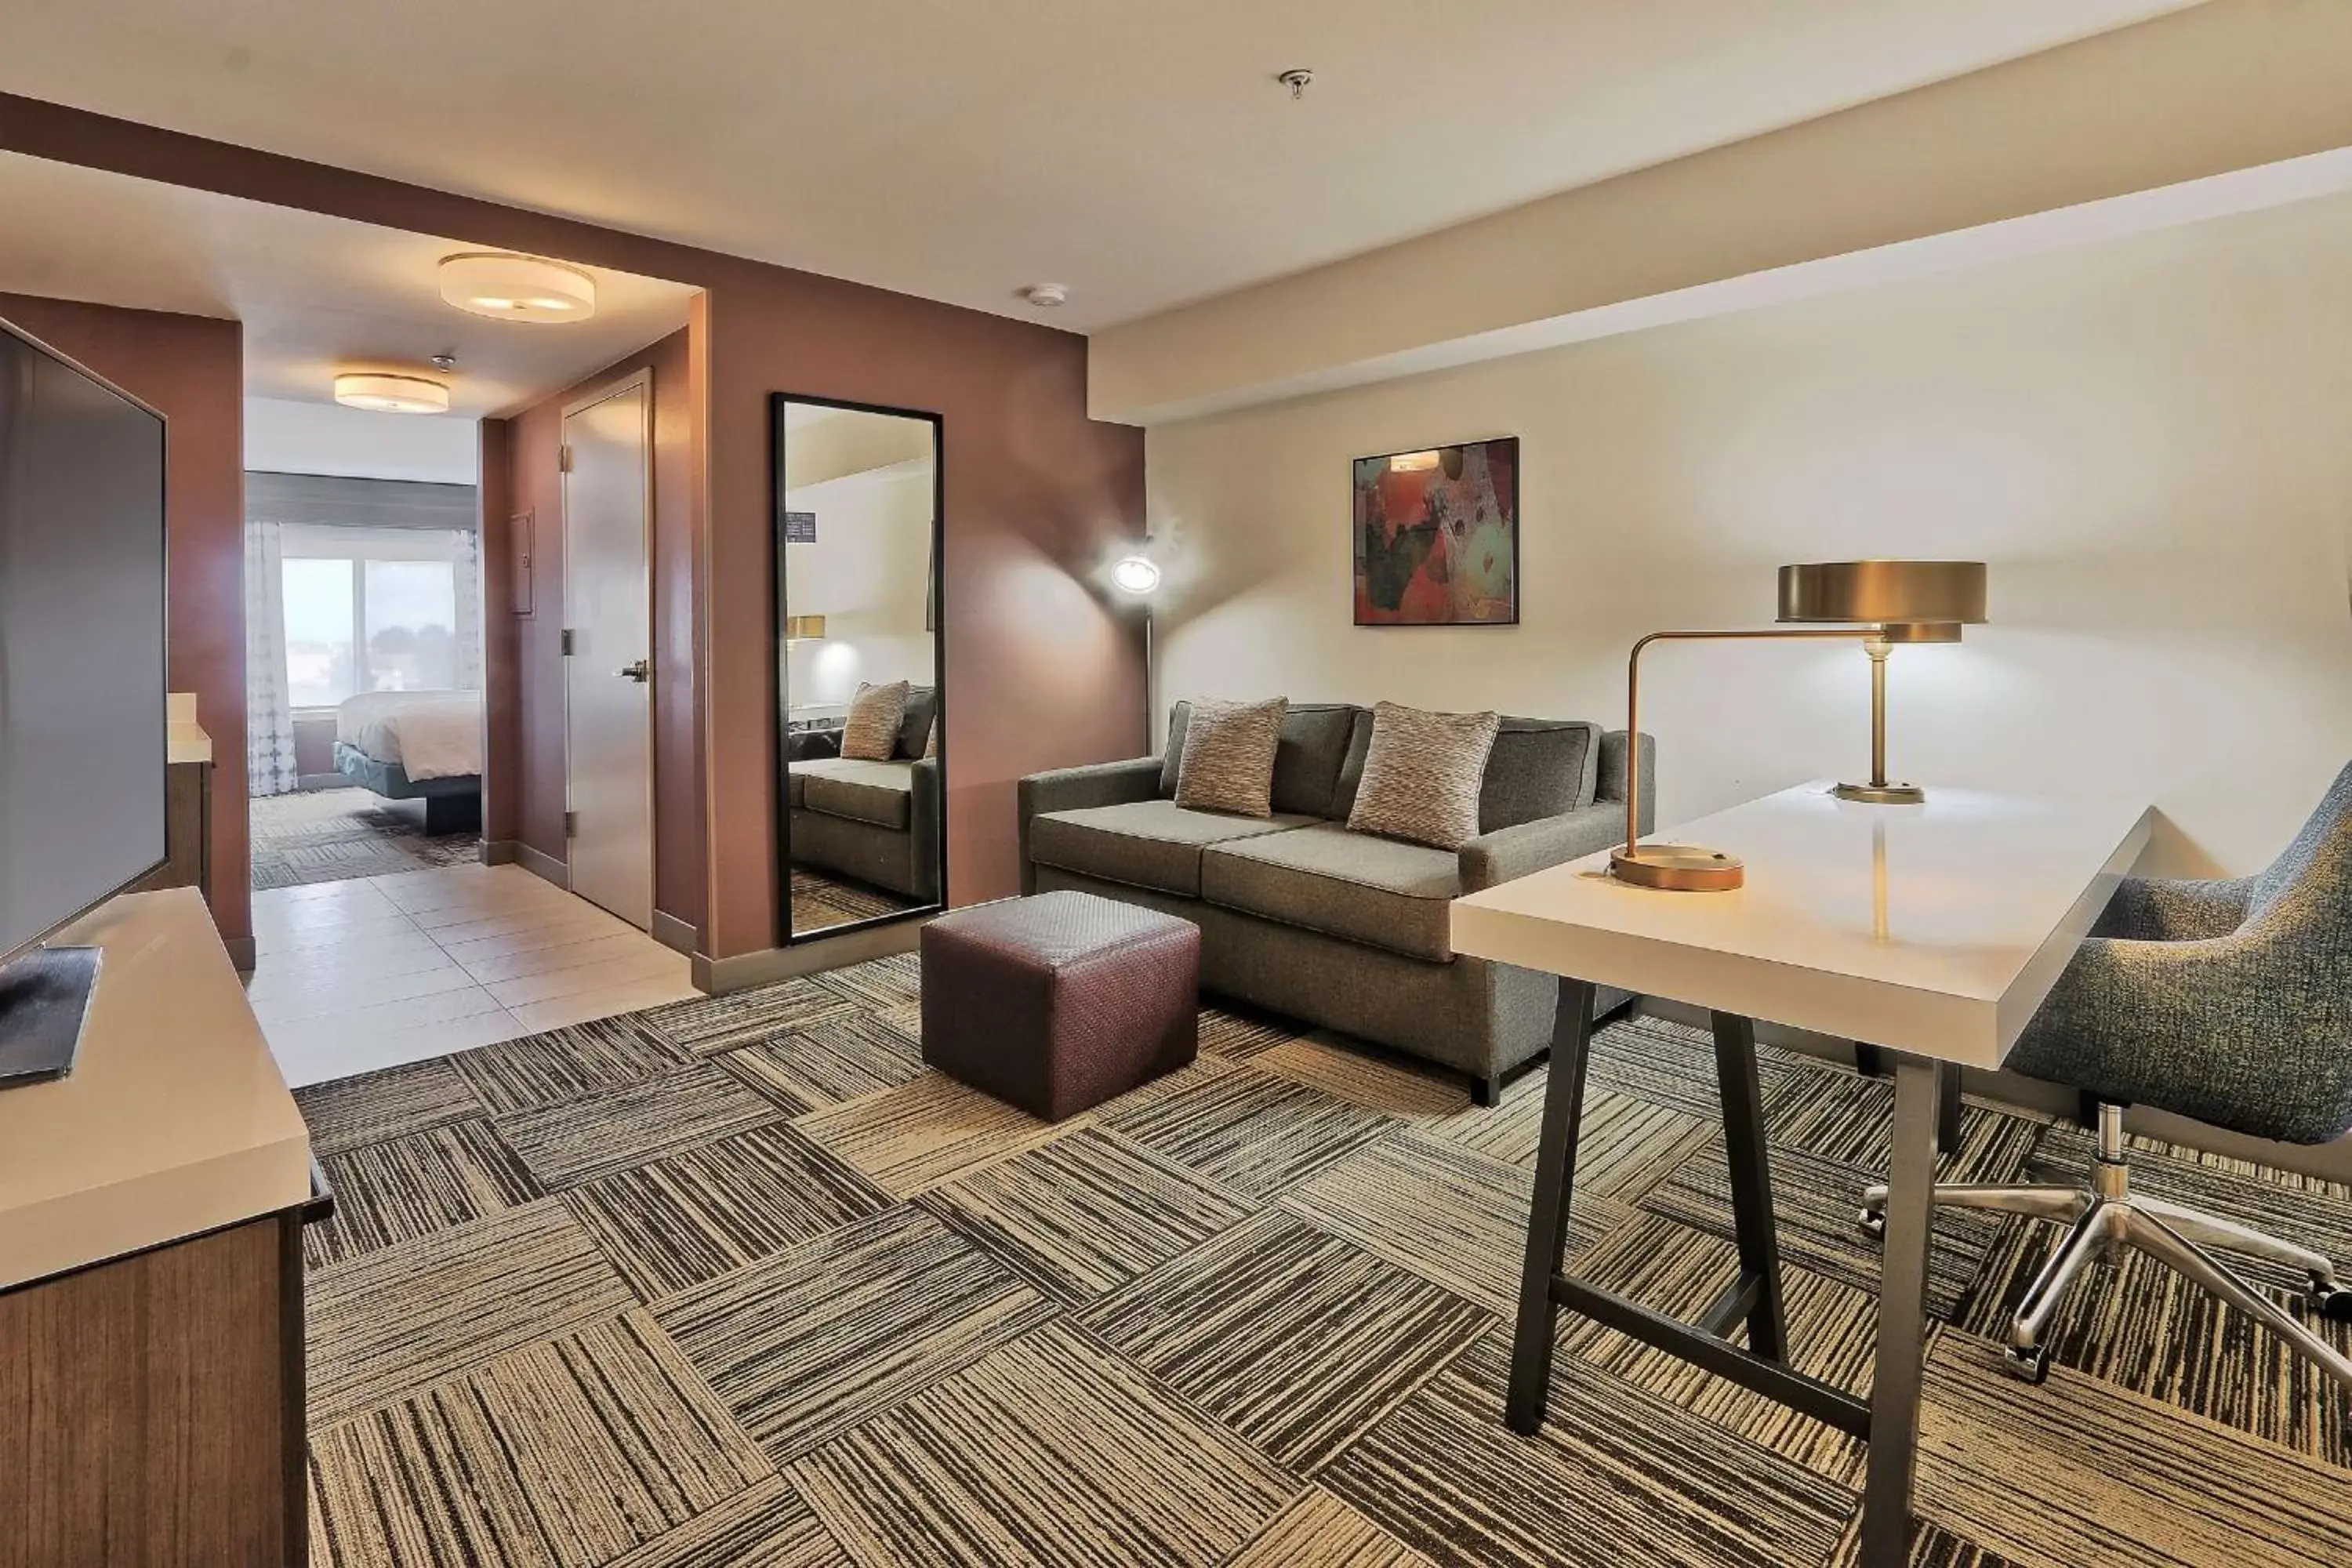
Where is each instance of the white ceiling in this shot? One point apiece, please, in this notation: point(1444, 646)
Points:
point(1136, 150)
point(317, 294)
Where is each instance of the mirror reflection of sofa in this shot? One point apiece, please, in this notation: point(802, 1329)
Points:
point(877, 822)
point(1344, 929)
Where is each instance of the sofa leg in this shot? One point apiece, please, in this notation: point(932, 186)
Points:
point(1487, 1091)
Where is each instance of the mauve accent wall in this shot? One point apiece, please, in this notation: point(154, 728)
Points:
point(535, 484)
point(1041, 671)
point(192, 369)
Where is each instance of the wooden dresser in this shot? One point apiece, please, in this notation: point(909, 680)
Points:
point(151, 1269)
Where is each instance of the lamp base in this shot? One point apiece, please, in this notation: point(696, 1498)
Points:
point(1677, 868)
point(1882, 794)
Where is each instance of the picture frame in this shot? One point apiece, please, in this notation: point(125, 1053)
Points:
point(1436, 535)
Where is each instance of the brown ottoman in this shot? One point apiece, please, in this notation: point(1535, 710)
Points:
point(1056, 1003)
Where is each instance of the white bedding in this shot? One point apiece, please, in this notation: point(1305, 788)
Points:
point(431, 734)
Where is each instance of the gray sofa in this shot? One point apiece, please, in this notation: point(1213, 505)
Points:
point(878, 822)
point(1343, 929)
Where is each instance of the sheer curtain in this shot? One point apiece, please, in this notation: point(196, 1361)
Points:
point(269, 714)
point(467, 555)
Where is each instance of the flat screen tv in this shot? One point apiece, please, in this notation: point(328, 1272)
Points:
point(82, 680)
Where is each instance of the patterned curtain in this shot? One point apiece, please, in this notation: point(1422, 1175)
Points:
point(467, 558)
point(269, 714)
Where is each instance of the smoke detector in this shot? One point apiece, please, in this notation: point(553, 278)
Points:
point(1047, 296)
point(445, 362)
point(1297, 78)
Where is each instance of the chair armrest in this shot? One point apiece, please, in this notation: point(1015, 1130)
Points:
point(2162, 909)
point(1074, 789)
point(1510, 853)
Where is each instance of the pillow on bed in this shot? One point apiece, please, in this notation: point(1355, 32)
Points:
point(871, 734)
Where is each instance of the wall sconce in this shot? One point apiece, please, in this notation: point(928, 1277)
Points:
point(1135, 575)
point(804, 628)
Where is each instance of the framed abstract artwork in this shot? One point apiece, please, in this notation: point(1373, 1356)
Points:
point(1437, 536)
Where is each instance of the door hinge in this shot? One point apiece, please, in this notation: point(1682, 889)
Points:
point(570, 824)
point(563, 458)
point(568, 650)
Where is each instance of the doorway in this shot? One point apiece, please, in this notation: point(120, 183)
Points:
point(607, 468)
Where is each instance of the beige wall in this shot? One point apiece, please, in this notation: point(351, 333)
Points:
point(2150, 441)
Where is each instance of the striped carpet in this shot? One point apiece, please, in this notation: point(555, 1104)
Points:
point(821, 899)
point(338, 834)
point(736, 1283)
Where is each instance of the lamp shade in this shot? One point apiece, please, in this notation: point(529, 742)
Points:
point(1941, 595)
point(509, 287)
point(392, 394)
point(804, 628)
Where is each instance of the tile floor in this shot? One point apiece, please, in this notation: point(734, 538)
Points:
point(356, 975)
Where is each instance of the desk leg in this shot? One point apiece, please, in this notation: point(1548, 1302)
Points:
point(1746, 1154)
point(1571, 1036)
point(1902, 1313)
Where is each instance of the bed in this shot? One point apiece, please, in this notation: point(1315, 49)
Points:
point(416, 745)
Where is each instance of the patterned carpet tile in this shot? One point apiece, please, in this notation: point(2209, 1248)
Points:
point(1838, 1116)
point(564, 1453)
point(1047, 1452)
point(1930, 1548)
point(880, 984)
point(1292, 1338)
point(1084, 1213)
point(923, 1132)
point(820, 901)
point(1446, 1213)
point(1833, 1335)
point(2141, 1326)
point(1673, 1064)
point(376, 1106)
point(1622, 1147)
point(709, 1024)
point(1615, 1477)
point(386, 1324)
point(1815, 1201)
point(1318, 1531)
point(1251, 1131)
point(414, 1185)
point(809, 1344)
point(764, 1526)
point(1390, 1087)
point(579, 1140)
point(2036, 1473)
point(566, 1064)
point(676, 1222)
point(825, 1064)
point(1238, 1034)
point(337, 835)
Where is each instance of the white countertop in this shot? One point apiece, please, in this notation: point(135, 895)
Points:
point(1934, 928)
point(174, 1119)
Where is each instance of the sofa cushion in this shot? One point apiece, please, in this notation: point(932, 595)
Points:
point(870, 734)
point(1228, 760)
point(795, 785)
point(878, 792)
point(1143, 843)
point(1307, 759)
point(1421, 775)
point(1378, 891)
point(915, 726)
point(1538, 768)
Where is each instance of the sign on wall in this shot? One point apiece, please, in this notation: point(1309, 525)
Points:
point(799, 528)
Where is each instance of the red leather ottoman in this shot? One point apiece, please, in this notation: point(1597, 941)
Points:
point(1056, 1003)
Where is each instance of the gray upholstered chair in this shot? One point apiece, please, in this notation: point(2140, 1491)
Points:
point(2228, 1001)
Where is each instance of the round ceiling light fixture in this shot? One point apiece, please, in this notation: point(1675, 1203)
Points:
point(1047, 296)
point(1135, 574)
point(392, 394)
point(509, 287)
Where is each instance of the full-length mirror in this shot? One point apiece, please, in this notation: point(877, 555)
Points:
point(861, 702)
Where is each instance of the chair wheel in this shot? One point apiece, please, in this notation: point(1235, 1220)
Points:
point(2331, 1301)
point(2028, 1365)
point(1872, 1224)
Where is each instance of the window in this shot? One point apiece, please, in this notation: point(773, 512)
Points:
point(370, 610)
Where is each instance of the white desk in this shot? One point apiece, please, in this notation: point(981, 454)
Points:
point(1933, 932)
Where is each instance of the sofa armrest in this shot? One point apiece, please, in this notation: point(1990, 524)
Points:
point(1074, 789)
point(926, 821)
point(1510, 853)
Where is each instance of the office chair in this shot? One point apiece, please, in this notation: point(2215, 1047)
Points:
point(2228, 1001)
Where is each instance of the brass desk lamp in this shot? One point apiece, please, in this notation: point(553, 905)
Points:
point(1899, 601)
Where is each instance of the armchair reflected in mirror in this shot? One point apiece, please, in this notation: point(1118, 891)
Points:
point(857, 493)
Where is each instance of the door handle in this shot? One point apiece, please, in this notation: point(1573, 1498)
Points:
point(640, 672)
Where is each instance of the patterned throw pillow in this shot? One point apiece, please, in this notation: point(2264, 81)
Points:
point(931, 741)
point(1228, 762)
point(875, 714)
point(1421, 775)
